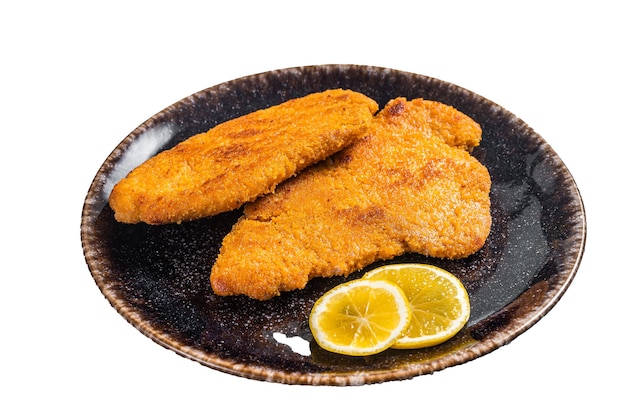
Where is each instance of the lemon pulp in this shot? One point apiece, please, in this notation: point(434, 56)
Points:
point(360, 317)
point(438, 302)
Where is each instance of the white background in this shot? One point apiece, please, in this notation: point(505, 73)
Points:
point(77, 77)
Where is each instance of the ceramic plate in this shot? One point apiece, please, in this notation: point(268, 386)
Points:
point(157, 277)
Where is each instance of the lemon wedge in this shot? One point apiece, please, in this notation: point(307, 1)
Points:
point(360, 317)
point(438, 301)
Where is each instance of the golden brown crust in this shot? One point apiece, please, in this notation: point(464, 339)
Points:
point(241, 159)
point(401, 189)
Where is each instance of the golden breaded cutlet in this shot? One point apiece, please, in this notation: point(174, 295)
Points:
point(241, 159)
point(409, 186)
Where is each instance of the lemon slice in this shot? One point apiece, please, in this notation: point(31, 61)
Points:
point(360, 318)
point(439, 303)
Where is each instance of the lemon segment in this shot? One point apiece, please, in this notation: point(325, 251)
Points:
point(438, 301)
point(360, 318)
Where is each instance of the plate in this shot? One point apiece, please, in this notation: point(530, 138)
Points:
point(157, 277)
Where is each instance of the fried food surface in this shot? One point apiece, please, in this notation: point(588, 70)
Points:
point(409, 186)
point(241, 159)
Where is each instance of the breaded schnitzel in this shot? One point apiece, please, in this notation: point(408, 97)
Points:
point(241, 159)
point(403, 188)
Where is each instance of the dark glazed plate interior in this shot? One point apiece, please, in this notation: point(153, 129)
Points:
point(157, 276)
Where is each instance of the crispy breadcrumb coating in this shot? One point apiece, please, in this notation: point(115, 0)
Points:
point(409, 186)
point(241, 159)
